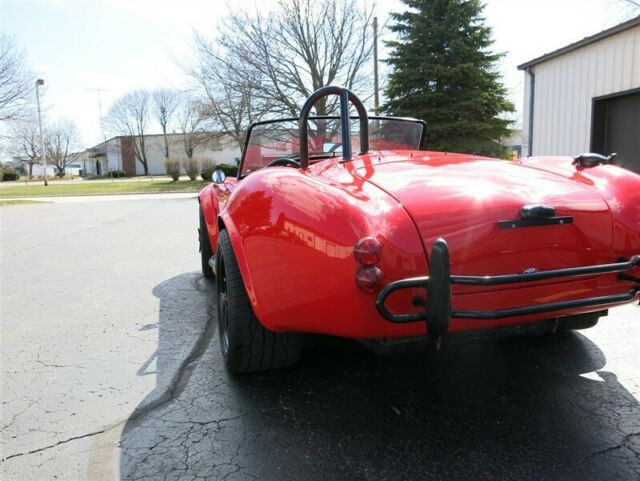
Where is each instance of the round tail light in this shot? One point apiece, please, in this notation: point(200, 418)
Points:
point(368, 251)
point(369, 278)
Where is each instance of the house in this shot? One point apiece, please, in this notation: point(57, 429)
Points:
point(118, 154)
point(73, 169)
point(586, 97)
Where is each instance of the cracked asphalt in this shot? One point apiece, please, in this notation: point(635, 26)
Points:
point(111, 370)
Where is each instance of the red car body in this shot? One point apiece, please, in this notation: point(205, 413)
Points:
point(294, 231)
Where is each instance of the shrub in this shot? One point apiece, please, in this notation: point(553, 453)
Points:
point(191, 168)
point(116, 174)
point(173, 168)
point(206, 169)
point(9, 175)
point(228, 169)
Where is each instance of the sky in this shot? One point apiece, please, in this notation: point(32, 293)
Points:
point(89, 52)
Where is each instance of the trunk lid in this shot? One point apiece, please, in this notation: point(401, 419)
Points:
point(462, 198)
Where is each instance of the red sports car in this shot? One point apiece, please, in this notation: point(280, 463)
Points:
point(346, 226)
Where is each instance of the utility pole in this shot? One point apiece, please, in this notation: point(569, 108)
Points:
point(40, 82)
point(376, 94)
point(104, 137)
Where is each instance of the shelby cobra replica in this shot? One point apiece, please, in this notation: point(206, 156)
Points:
point(396, 243)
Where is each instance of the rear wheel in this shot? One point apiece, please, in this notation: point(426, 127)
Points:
point(580, 321)
point(205, 247)
point(245, 343)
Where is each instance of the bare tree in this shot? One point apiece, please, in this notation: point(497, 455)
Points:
point(229, 100)
point(164, 103)
point(61, 141)
point(24, 143)
point(633, 7)
point(262, 65)
point(191, 122)
point(16, 81)
point(306, 45)
point(129, 116)
point(624, 9)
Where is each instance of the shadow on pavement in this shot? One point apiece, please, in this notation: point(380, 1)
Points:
point(511, 409)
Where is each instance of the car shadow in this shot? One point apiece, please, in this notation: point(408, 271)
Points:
point(525, 409)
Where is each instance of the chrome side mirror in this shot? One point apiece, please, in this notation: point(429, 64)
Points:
point(218, 176)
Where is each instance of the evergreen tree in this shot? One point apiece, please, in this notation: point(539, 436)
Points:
point(444, 73)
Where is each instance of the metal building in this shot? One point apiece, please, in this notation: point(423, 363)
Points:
point(586, 97)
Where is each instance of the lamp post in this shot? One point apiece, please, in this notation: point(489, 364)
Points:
point(376, 88)
point(40, 82)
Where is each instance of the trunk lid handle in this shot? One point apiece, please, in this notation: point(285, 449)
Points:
point(537, 211)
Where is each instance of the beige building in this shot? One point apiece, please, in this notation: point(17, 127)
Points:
point(586, 97)
point(118, 154)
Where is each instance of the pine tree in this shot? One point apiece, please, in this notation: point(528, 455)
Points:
point(444, 73)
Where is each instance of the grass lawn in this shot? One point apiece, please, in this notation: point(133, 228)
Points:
point(18, 202)
point(97, 188)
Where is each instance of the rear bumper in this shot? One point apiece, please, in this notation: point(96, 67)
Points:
point(438, 306)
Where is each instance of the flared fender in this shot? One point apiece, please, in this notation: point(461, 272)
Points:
point(293, 235)
point(620, 189)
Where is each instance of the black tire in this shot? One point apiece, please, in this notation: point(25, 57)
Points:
point(245, 343)
point(205, 247)
point(579, 322)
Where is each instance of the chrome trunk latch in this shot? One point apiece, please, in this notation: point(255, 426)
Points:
point(537, 211)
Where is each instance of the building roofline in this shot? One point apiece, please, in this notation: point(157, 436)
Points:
point(172, 134)
point(621, 27)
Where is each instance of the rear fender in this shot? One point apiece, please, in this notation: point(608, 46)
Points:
point(620, 189)
point(293, 235)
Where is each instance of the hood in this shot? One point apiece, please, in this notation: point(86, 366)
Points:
point(462, 199)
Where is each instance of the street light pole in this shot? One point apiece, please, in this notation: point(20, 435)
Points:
point(376, 95)
point(44, 154)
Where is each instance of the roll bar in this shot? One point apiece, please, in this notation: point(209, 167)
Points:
point(346, 96)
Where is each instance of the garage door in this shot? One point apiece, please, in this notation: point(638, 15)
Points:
point(616, 128)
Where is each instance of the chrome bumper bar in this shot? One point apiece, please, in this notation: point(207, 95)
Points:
point(438, 311)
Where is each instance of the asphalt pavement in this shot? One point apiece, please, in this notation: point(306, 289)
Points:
point(111, 369)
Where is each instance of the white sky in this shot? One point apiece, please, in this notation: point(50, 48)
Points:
point(118, 45)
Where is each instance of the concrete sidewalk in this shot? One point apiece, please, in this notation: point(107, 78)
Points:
point(74, 199)
point(81, 180)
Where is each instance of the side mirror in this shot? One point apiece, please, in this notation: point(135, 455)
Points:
point(218, 176)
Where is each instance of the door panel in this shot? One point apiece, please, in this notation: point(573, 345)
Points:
point(616, 128)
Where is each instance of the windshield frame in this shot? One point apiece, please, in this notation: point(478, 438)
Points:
point(325, 117)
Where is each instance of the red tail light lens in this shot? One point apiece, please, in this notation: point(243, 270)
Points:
point(369, 278)
point(368, 251)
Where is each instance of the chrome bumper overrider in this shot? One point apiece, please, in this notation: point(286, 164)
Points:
point(438, 312)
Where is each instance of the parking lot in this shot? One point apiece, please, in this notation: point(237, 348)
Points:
point(111, 369)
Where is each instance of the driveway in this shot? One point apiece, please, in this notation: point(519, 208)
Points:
point(111, 370)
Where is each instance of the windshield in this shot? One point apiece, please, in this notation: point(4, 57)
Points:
point(268, 141)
